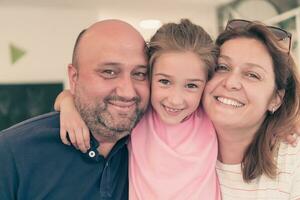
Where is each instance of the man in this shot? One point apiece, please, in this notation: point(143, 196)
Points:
point(108, 78)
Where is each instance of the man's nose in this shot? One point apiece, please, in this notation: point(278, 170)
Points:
point(126, 88)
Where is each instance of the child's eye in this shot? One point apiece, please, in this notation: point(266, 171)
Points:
point(222, 68)
point(191, 85)
point(164, 81)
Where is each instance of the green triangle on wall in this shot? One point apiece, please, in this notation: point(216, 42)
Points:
point(16, 53)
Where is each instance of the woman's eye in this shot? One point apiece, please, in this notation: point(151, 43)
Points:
point(191, 85)
point(253, 75)
point(164, 81)
point(221, 68)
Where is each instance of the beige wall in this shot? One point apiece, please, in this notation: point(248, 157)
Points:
point(48, 34)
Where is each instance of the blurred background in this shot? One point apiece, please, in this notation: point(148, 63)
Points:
point(37, 38)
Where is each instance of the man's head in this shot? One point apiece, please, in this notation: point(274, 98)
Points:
point(108, 78)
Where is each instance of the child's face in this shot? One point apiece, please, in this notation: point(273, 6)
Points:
point(178, 80)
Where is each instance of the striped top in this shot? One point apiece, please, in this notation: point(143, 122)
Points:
point(285, 186)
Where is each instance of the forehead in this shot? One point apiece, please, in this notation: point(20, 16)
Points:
point(104, 48)
point(247, 50)
point(180, 63)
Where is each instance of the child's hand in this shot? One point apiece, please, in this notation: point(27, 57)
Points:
point(292, 138)
point(71, 123)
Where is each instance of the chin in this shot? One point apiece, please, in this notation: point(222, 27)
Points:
point(169, 122)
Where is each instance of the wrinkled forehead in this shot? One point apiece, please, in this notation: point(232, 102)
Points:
point(96, 50)
point(115, 30)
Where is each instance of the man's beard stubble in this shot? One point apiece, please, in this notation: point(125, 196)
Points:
point(102, 123)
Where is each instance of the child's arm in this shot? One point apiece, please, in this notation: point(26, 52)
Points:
point(71, 122)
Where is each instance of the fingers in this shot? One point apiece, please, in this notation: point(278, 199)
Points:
point(72, 136)
point(86, 137)
point(292, 139)
point(63, 136)
point(297, 130)
point(80, 141)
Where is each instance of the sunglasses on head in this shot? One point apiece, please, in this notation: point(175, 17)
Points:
point(279, 33)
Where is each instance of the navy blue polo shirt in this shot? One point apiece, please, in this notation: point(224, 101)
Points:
point(35, 165)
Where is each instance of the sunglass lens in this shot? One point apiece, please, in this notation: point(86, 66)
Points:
point(237, 24)
point(282, 35)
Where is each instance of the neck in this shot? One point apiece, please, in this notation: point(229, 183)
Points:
point(106, 138)
point(233, 144)
point(105, 148)
point(106, 143)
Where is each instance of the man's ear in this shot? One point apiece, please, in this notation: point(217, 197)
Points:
point(73, 77)
point(276, 101)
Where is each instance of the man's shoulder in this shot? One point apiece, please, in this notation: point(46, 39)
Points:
point(42, 123)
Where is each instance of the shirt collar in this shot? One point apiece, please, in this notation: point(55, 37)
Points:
point(93, 154)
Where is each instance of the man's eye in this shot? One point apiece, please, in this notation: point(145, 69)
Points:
point(140, 76)
point(164, 81)
point(108, 73)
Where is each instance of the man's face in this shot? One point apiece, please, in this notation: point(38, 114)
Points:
point(111, 85)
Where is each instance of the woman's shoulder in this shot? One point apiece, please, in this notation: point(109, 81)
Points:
point(288, 158)
point(288, 150)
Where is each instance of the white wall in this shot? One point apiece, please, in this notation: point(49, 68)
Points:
point(202, 14)
point(48, 34)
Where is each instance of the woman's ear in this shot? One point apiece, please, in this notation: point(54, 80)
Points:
point(276, 101)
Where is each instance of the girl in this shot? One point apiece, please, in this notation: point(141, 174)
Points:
point(173, 149)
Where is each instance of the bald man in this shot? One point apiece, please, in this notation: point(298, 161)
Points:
point(108, 78)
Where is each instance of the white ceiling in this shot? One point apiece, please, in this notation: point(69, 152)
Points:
point(98, 4)
point(133, 11)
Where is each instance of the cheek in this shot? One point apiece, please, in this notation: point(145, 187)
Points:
point(144, 92)
point(193, 100)
point(261, 98)
point(213, 83)
point(157, 95)
point(95, 88)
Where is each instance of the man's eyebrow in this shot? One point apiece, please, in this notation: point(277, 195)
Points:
point(108, 64)
point(143, 66)
point(119, 64)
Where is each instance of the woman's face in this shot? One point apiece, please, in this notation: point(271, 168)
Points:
point(242, 89)
point(178, 80)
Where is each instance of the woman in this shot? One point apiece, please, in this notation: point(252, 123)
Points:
point(253, 101)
